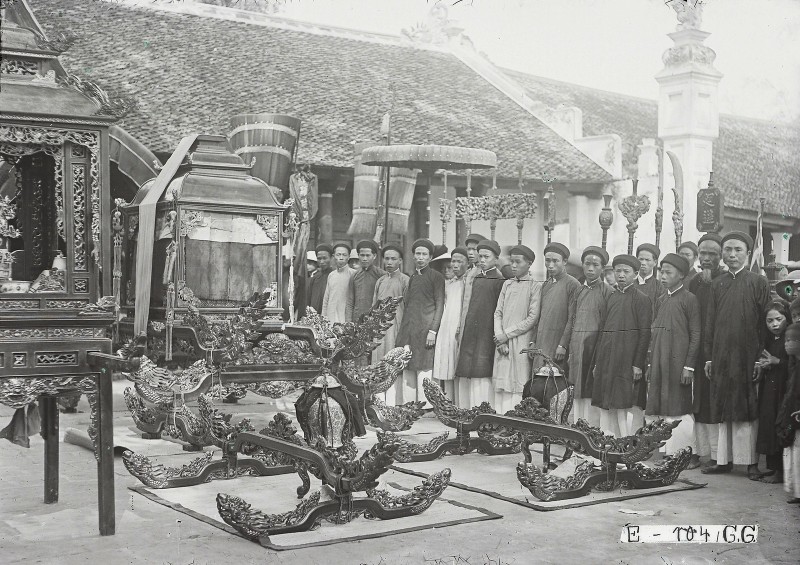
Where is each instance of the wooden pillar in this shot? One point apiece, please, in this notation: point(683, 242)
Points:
point(325, 218)
point(49, 412)
point(105, 459)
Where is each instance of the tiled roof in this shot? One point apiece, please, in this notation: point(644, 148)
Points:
point(191, 74)
point(742, 155)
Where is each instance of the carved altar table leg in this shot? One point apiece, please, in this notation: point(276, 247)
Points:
point(103, 414)
point(49, 411)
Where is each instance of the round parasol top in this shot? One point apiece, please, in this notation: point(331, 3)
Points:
point(428, 157)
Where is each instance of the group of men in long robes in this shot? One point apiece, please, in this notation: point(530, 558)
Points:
point(666, 340)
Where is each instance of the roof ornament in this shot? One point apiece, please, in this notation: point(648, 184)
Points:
point(437, 29)
point(689, 13)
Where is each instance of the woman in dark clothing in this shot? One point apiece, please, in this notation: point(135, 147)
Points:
point(771, 373)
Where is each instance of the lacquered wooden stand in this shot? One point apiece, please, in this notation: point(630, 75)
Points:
point(46, 368)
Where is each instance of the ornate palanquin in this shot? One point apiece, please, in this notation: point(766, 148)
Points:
point(55, 248)
point(214, 239)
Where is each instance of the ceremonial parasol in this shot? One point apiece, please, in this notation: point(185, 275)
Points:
point(428, 158)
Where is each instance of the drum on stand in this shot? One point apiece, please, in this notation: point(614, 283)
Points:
point(269, 138)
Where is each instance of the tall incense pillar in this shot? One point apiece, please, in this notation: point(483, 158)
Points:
point(688, 112)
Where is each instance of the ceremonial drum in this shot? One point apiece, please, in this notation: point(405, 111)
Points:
point(270, 139)
point(366, 192)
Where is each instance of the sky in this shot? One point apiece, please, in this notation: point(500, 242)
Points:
point(608, 44)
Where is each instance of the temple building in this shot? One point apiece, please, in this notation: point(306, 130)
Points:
point(436, 88)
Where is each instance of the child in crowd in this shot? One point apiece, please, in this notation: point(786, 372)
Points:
point(788, 422)
point(771, 372)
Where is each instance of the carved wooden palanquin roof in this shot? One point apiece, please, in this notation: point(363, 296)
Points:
point(212, 175)
point(33, 81)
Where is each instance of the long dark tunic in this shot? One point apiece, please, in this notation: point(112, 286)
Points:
point(653, 288)
point(362, 292)
point(316, 288)
point(701, 391)
point(590, 313)
point(424, 305)
point(554, 327)
point(622, 346)
point(732, 341)
point(476, 355)
point(771, 391)
point(674, 345)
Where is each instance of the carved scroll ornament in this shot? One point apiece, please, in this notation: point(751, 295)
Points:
point(50, 141)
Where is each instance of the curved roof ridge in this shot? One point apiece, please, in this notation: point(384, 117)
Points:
point(269, 20)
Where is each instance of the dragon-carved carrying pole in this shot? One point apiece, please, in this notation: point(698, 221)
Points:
point(632, 208)
point(660, 197)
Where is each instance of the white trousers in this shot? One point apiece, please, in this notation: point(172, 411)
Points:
point(737, 443)
point(449, 388)
point(615, 422)
point(582, 409)
point(505, 401)
point(791, 467)
point(471, 392)
point(682, 434)
point(412, 389)
point(394, 392)
point(636, 419)
point(706, 437)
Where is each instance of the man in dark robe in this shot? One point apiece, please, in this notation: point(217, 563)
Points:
point(471, 245)
point(688, 250)
point(559, 296)
point(476, 354)
point(733, 340)
point(362, 283)
point(424, 305)
point(672, 355)
point(647, 281)
point(621, 350)
point(590, 313)
point(706, 430)
point(319, 278)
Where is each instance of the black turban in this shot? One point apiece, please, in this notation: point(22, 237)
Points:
point(474, 237)
point(426, 243)
point(677, 261)
point(491, 246)
point(629, 260)
point(324, 247)
point(651, 248)
point(525, 251)
point(369, 244)
point(559, 248)
point(594, 250)
point(393, 247)
point(741, 236)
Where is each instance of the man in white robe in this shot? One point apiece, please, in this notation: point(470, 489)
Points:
point(446, 352)
point(334, 303)
point(514, 319)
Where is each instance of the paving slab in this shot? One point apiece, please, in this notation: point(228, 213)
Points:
point(66, 532)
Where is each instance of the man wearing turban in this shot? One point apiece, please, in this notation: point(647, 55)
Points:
point(734, 335)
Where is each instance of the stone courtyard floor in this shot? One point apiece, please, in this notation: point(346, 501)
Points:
point(66, 532)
